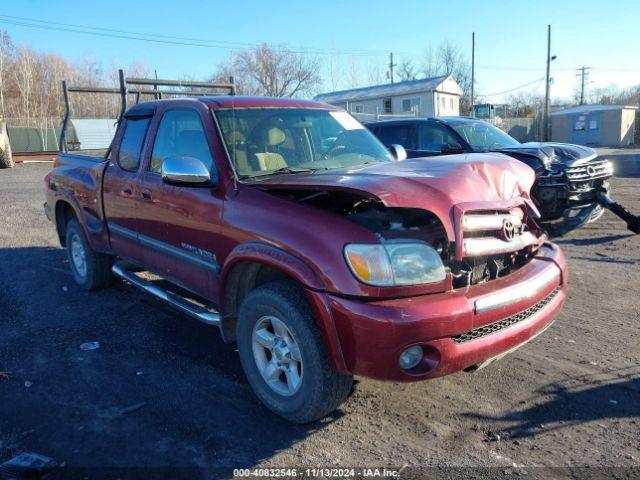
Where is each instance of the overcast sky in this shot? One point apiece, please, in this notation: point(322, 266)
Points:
point(352, 35)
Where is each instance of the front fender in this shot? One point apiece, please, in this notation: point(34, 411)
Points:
point(275, 257)
point(301, 272)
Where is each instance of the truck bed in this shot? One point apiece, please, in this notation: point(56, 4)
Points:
point(77, 180)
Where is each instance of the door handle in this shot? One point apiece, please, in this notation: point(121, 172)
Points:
point(127, 191)
point(145, 194)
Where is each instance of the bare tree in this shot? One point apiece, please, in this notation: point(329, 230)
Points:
point(333, 72)
point(430, 65)
point(607, 95)
point(267, 70)
point(227, 70)
point(407, 71)
point(523, 104)
point(25, 71)
point(448, 59)
point(376, 73)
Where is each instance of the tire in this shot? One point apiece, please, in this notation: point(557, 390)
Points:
point(96, 272)
point(321, 389)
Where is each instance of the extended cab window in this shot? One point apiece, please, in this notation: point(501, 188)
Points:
point(180, 133)
point(395, 134)
point(131, 144)
point(433, 137)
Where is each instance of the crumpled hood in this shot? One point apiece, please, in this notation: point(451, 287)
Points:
point(437, 184)
point(564, 154)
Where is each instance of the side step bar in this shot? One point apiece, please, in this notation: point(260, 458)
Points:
point(181, 303)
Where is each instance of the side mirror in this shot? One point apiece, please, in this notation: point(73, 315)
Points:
point(398, 151)
point(185, 170)
point(452, 147)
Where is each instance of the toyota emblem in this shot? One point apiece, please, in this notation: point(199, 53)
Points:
point(591, 171)
point(508, 230)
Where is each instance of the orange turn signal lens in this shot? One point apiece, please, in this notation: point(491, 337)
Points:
point(369, 263)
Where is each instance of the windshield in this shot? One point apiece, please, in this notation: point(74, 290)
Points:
point(484, 137)
point(263, 141)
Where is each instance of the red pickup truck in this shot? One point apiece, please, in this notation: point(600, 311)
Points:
point(290, 227)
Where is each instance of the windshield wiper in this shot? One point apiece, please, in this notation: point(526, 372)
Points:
point(280, 171)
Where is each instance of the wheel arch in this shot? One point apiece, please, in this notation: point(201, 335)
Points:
point(64, 212)
point(253, 264)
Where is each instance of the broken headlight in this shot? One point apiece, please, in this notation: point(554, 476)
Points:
point(395, 263)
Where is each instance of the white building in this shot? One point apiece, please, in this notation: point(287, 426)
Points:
point(437, 96)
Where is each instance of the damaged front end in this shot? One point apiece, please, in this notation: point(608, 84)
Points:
point(473, 210)
point(488, 244)
point(494, 243)
point(572, 186)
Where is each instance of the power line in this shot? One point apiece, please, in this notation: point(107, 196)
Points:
point(606, 69)
point(165, 39)
point(537, 80)
point(228, 45)
point(517, 69)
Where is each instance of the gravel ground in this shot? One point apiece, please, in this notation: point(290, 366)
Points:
point(164, 392)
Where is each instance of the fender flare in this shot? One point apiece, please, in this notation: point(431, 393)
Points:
point(301, 272)
point(275, 257)
point(92, 225)
point(64, 197)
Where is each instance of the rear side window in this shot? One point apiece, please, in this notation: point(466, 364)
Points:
point(131, 144)
point(395, 134)
point(180, 133)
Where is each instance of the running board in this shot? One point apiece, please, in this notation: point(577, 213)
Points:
point(181, 303)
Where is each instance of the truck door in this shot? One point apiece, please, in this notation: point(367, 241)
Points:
point(120, 187)
point(178, 225)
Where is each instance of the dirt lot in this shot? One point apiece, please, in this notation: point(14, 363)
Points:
point(164, 392)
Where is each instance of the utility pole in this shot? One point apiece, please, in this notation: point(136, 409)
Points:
point(391, 65)
point(545, 130)
point(473, 69)
point(584, 73)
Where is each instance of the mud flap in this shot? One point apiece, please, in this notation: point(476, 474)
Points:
point(633, 221)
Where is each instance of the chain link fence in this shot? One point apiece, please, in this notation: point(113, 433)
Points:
point(523, 129)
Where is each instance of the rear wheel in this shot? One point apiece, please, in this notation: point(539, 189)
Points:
point(283, 355)
point(91, 270)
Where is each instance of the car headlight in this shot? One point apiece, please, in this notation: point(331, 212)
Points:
point(395, 263)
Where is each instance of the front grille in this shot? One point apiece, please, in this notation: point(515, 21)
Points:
point(590, 171)
point(506, 322)
point(494, 243)
point(495, 232)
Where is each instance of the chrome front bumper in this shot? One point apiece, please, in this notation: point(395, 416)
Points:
point(523, 291)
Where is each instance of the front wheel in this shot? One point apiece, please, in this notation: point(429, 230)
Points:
point(91, 270)
point(283, 355)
